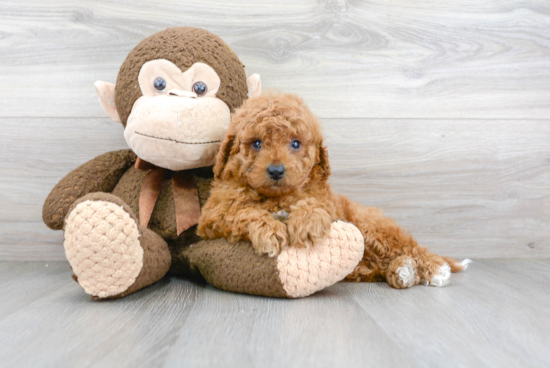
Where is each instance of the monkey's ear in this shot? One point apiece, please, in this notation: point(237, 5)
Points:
point(229, 146)
point(254, 84)
point(106, 93)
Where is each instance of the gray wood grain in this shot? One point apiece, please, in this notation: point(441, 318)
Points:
point(435, 111)
point(467, 188)
point(32, 164)
point(24, 283)
point(359, 59)
point(495, 314)
point(83, 332)
point(247, 331)
point(476, 188)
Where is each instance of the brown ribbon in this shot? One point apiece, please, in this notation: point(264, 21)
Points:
point(186, 195)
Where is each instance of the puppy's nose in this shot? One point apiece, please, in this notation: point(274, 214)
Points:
point(276, 172)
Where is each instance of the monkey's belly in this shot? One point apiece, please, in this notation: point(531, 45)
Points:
point(163, 218)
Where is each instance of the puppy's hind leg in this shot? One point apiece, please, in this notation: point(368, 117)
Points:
point(392, 253)
point(435, 270)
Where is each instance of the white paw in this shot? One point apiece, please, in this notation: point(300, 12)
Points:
point(442, 277)
point(406, 273)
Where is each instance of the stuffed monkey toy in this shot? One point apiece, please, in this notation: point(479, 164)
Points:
point(129, 217)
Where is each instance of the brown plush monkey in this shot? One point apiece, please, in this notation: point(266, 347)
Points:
point(130, 216)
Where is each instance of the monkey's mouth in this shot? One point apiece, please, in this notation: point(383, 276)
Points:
point(174, 140)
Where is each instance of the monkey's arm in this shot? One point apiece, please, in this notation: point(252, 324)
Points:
point(100, 174)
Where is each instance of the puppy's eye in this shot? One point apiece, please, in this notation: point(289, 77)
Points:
point(257, 144)
point(295, 145)
point(200, 88)
point(160, 84)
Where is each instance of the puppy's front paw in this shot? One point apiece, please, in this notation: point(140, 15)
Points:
point(268, 237)
point(308, 226)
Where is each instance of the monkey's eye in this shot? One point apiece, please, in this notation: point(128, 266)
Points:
point(160, 84)
point(295, 145)
point(257, 144)
point(200, 88)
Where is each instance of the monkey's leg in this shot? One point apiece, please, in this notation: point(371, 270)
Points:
point(294, 273)
point(110, 254)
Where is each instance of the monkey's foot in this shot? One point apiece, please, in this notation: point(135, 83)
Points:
point(304, 271)
point(102, 245)
point(294, 273)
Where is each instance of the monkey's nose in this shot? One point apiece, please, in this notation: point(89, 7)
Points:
point(181, 93)
point(276, 172)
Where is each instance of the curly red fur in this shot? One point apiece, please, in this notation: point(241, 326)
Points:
point(244, 198)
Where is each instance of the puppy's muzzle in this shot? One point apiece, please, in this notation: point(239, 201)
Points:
point(276, 172)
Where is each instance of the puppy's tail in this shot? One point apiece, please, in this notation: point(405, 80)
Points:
point(457, 266)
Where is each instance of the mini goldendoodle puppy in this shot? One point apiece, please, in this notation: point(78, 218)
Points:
point(271, 188)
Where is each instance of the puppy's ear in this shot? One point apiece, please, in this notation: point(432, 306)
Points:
point(229, 146)
point(321, 170)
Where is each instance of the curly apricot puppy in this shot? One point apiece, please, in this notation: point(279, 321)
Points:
point(271, 188)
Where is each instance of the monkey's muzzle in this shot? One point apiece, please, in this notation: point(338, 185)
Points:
point(177, 132)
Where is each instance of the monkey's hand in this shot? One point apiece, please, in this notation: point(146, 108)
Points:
point(268, 236)
point(308, 223)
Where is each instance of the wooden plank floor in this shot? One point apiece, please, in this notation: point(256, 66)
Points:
point(496, 314)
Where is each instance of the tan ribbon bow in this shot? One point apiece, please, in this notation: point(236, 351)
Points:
point(186, 195)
